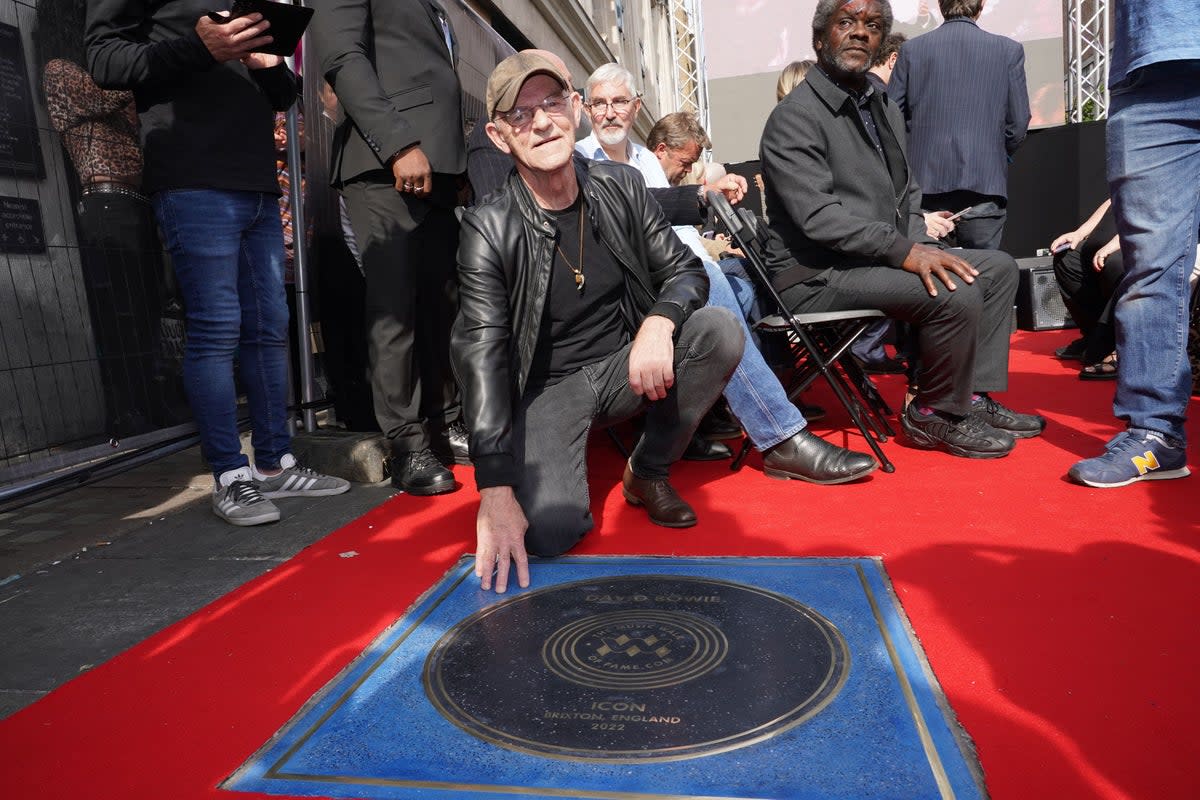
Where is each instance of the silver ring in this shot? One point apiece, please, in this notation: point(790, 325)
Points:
point(408, 186)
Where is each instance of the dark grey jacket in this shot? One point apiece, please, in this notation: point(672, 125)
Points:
point(388, 62)
point(505, 253)
point(832, 199)
point(963, 95)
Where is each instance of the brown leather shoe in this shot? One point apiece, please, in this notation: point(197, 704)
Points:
point(662, 503)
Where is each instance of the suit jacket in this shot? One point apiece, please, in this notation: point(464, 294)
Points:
point(832, 201)
point(393, 73)
point(963, 96)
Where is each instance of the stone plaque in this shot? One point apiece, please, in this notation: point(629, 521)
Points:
point(636, 668)
point(20, 150)
point(21, 226)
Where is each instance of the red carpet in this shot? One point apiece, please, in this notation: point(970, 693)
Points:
point(1060, 620)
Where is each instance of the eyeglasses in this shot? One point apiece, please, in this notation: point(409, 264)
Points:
point(619, 105)
point(520, 116)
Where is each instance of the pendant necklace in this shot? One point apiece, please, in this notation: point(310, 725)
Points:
point(576, 270)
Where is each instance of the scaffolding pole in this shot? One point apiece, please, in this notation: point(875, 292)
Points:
point(1087, 59)
point(687, 47)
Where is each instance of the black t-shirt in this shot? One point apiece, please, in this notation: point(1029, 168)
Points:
point(579, 326)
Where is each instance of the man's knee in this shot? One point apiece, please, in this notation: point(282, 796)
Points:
point(998, 268)
point(554, 531)
point(716, 331)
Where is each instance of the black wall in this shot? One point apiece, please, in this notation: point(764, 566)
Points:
point(1055, 182)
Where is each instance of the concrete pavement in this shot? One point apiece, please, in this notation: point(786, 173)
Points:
point(91, 572)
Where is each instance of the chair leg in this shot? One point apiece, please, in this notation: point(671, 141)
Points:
point(741, 456)
point(845, 397)
point(877, 408)
point(617, 443)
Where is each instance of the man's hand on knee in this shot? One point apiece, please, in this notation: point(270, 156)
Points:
point(926, 262)
point(500, 538)
point(652, 358)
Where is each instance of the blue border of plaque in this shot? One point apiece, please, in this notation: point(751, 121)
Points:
point(881, 728)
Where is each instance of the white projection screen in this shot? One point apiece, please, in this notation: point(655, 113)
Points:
point(747, 43)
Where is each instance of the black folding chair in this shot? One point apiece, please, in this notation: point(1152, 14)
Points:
point(819, 343)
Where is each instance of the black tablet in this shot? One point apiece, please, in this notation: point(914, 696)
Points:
point(287, 22)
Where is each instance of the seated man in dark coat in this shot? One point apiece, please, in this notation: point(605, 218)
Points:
point(850, 234)
point(578, 306)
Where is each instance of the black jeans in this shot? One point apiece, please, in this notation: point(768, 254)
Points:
point(962, 336)
point(123, 273)
point(1089, 295)
point(551, 426)
point(408, 248)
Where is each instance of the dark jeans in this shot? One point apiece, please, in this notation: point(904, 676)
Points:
point(227, 250)
point(962, 336)
point(982, 227)
point(123, 273)
point(551, 426)
point(408, 248)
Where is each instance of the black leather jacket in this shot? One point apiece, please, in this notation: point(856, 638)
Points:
point(505, 254)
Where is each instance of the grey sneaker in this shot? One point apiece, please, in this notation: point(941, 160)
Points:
point(236, 500)
point(298, 481)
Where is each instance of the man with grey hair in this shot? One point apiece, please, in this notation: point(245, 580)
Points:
point(850, 234)
point(962, 92)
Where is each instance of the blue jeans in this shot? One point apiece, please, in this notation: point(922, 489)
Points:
point(754, 393)
point(1154, 179)
point(227, 251)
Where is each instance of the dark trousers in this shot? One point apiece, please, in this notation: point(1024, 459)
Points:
point(122, 261)
point(962, 336)
point(982, 227)
point(1089, 296)
point(341, 294)
point(551, 426)
point(408, 248)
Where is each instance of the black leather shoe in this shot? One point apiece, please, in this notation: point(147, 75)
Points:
point(718, 423)
point(888, 365)
point(812, 412)
point(662, 503)
point(421, 473)
point(808, 457)
point(1021, 426)
point(701, 449)
point(460, 440)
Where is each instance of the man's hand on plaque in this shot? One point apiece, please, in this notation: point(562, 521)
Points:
point(500, 538)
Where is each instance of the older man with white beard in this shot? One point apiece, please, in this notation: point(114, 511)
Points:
point(776, 427)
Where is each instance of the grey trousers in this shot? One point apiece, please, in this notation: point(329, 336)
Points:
point(551, 427)
point(962, 336)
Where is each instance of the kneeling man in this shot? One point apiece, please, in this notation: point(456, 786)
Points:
point(578, 308)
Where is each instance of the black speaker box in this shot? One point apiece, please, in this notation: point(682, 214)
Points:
point(1039, 303)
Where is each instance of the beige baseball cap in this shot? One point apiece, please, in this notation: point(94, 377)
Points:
point(510, 75)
